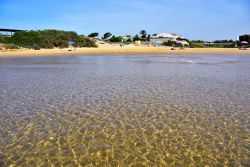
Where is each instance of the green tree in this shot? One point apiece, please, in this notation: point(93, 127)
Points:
point(148, 37)
point(136, 38)
point(106, 35)
point(116, 39)
point(129, 40)
point(93, 35)
point(143, 34)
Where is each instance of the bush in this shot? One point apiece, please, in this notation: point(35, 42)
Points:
point(221, 45)
point(86, 42)
point(169, 43)
point(36, 47)
point(10, 46)
point(136, 38)
point(229, 45)
point(48, 39)
point(1, 38)
point(116, 39)
point(25, 38)
point(129, 40)
point(4, 39)
point(196, 45)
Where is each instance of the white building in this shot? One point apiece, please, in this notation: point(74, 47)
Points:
point(159, 39)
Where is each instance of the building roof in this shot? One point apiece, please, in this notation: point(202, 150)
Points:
point(166, 35)
point(182, 42)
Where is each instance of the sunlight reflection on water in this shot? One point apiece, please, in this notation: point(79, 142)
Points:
point(125, 110)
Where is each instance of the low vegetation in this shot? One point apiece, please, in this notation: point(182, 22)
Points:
point(193, 44)
point(116, 39)
point(221, 45)
point(60, 39)
point(169, 43)
point(47, 39)
point(9, 46)
point(214, 44)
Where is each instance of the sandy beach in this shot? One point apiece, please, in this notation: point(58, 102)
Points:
point(116, 49)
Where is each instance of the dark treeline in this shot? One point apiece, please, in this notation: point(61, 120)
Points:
point(245, 38)
point(213, 44)
point(47, 39)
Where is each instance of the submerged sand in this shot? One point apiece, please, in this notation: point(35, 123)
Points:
point(135, 111)
point(116, 49)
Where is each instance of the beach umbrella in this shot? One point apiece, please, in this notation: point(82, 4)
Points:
point(244, 42)
point(71, 43)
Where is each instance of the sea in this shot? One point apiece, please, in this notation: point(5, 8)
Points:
point(125, 110)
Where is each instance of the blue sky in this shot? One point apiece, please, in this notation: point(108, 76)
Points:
point(194, 19)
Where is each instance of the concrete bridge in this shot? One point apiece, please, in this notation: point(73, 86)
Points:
point(7, 31)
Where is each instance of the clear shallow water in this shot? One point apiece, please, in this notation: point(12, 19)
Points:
point(125, 111)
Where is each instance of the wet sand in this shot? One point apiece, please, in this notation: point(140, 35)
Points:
point(123, 50)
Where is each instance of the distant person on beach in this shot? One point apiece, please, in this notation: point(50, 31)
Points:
point(121, 45)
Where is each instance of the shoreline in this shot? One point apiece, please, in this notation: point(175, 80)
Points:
point(117, 50)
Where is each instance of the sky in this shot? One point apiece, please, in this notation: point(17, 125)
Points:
point(193, 19)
